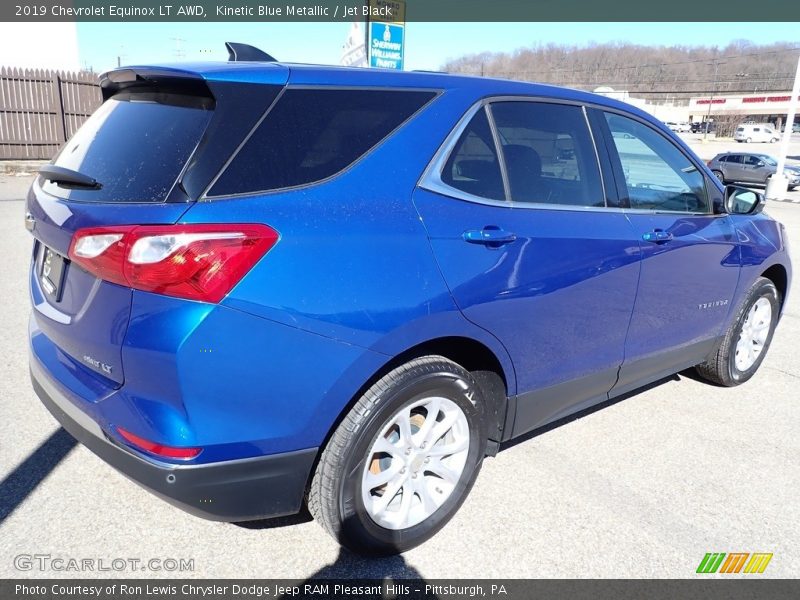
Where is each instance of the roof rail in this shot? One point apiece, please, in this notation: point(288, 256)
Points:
point(246, 53)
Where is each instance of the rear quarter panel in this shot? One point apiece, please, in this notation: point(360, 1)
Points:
point(354, 267)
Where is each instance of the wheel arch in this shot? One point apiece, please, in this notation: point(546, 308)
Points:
point(778, 275)
point(492, 370)
point(477, 358)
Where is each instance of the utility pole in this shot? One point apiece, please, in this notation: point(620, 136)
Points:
point(716, 65)
point(178, 52)
point(778, 183)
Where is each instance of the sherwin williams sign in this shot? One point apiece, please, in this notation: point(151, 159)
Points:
point(386, 45)
point(386, 34)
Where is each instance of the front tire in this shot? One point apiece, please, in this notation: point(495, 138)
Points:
point(403, 460)
point(747, 340)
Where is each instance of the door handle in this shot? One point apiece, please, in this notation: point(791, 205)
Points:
point(491, 235)
point(658, 236)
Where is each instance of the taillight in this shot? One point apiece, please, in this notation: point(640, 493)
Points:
point(157, 449)
point(197, 262)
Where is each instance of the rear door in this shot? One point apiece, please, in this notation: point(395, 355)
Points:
point(733, 168)
point(141, 147)
point(690, 256)
point(516, 213)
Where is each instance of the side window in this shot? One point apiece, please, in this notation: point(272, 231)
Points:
point(549, 153)
point(735, 158)
point(473, 166)
point(658, 175)
point(752, 161)
point(312, 134)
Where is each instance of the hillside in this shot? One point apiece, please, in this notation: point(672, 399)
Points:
point(657, 72)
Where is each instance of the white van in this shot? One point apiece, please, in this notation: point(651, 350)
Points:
point(756, 132)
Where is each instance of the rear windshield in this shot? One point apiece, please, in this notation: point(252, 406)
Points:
point(312, 134)
point(135, 145)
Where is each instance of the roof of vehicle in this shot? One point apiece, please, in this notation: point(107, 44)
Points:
point(307, 74)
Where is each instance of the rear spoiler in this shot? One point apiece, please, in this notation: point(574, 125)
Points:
point(172, 79)
point(167, 80)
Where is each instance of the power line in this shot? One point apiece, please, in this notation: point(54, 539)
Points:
point(649, 66)
point(718, 92)
point(658, 81)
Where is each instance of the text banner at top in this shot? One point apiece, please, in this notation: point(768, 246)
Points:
point(415, 10)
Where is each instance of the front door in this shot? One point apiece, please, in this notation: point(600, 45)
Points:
point(753, 169)
point(690, 256)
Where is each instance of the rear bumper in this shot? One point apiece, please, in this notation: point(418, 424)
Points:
point(235, 490)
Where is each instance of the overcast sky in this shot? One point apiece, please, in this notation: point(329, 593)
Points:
point(428, 45)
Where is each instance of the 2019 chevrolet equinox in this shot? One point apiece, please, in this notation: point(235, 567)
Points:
point(258, 284)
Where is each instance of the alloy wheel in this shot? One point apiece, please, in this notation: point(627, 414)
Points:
point(754, 334)
point(415, 463)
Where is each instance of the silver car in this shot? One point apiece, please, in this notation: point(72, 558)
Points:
point(744, 167)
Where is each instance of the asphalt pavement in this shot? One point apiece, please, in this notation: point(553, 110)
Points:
point(644, 487)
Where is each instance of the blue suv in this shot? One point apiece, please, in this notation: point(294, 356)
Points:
point(257, 285)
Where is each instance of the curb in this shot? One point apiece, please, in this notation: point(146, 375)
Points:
point(21, 168)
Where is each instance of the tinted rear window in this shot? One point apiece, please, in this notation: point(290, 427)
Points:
point(312, 134)
point(135, 145)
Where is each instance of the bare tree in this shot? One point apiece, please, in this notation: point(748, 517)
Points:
point(647, 71)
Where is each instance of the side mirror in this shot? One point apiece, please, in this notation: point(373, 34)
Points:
point(761, 164)
point(742, 201)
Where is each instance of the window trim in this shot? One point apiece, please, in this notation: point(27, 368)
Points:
point(205, 197)
point(498, 148)
point(431, 179)
point(605, 132)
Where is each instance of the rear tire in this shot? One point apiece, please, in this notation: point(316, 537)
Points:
point(719, 175)
point(749, 140)
point(747, 340)
point(392, 434)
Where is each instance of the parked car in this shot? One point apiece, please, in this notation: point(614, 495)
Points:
point(704, 127)
point(795, 128)
point(256, 285)
point(739, 167)
point(756, 132)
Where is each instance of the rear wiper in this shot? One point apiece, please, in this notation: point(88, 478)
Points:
point(59, 175)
